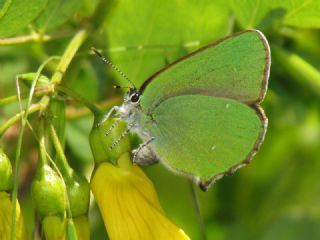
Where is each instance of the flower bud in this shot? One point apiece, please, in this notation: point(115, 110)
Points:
point(48, 192)
point(79, 195)
point(102, 138)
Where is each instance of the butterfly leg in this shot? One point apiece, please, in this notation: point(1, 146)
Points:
point(113, 110)
point(114, 124)
point(115, 143)
point(144, 155)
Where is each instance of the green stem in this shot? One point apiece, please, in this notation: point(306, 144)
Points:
point(32, 109)
point(58, 110)
point(19, 145)
point(71, 229)
point(35, 37)
point(102, 11)
point(7, 100)
point(68, 55)
point(42, 144)
point(65, 169)
point(38, 93)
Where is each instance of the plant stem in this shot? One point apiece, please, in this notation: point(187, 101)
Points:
point(68, 55)
point(32, 109)
point(35, 37)
point(65, 169)
point(42, 144)
point(7, 100)
point(11, 99)
point(19, 145)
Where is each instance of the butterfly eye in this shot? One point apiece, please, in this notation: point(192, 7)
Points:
point(135, 98)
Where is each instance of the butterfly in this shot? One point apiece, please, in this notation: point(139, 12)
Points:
point(200, 115)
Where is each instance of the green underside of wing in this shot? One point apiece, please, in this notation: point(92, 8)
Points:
point(203, 135)
point(234, 68)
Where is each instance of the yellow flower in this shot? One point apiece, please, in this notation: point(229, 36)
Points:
point(129, 204)
point(6, 218)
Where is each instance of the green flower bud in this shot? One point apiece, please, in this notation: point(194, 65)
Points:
point(6, 181)
point(79, 195)
point(48, 192)
point(102, 139)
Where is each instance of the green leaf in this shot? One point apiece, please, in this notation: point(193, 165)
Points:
point(17, 15)
point(298, 13)
point(4, 6)
point(302, 13)
point(83, 80)
point(161, 31)
point(250, 12)
point(57, 13)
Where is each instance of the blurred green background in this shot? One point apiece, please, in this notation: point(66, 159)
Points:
point(278, 195)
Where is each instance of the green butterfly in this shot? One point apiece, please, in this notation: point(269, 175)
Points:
point(200, 116)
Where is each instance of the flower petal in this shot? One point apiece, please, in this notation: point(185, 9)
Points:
point(129, 203)
point(6, 218)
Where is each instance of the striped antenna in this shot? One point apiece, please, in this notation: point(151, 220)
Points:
point(105, 59)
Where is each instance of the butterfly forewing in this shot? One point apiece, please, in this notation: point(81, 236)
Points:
point(236, 67)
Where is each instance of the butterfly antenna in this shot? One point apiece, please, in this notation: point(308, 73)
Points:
point(117, 86)
point(105, 59)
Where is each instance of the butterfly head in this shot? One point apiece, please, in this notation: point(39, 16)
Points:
point(132, 97)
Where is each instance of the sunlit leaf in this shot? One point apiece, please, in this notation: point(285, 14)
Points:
point(56, 13)
point(249, 13)
point(302, 13)
point(18, 15)
point(160, 31)
point(296, 13)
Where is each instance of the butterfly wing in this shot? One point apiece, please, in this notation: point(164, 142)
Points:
point(206, 136)
point(236, 67)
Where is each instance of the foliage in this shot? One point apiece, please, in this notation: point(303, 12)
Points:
point(275, 197)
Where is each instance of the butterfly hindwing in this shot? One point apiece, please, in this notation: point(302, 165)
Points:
point(205, 136)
